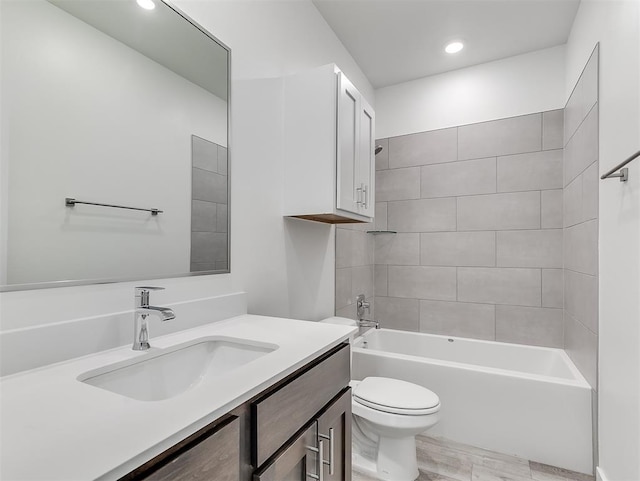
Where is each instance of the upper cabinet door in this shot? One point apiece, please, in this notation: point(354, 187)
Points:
point(349, 193)
point(365, 171)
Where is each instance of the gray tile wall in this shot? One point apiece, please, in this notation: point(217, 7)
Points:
point(497, 231)
point(209, 206)
point(479, 215)
point(354, 268)
point(580, 201)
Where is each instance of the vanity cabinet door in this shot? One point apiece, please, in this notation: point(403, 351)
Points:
point(334, 428)
point(298, 460)
point(214, 456)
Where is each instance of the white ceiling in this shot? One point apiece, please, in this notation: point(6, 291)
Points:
point(394, 41)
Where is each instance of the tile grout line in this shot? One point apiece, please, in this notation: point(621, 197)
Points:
point(483, 194)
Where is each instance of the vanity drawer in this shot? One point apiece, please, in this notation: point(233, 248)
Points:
point(278, 415)
point(211, 454)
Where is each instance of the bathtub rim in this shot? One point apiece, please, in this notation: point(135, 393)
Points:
point(578, 379)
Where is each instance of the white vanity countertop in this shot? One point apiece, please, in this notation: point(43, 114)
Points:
point(54, 427)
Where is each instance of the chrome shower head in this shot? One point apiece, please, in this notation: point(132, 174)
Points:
point(378, 149)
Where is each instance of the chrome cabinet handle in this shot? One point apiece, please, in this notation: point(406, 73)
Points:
point(320, 451)
point(366, 197)
point(331, 462)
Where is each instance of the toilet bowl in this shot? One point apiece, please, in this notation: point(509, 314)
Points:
point(387, 416)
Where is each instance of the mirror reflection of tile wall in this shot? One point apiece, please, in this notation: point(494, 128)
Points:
point(209, 206)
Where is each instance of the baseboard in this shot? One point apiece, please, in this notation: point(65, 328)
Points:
point(600, 475)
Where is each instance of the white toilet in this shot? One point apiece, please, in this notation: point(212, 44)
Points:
point(387, 416)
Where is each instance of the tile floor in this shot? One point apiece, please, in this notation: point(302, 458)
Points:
point(443, 460)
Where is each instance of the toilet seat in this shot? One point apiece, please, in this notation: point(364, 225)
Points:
point(395, 396)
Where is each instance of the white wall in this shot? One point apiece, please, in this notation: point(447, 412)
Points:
point(286, 266)
point(281, 264)
point(524, 84)
point(135, 150)
point(616, 24)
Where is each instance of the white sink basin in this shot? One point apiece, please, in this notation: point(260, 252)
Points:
point(165, 373)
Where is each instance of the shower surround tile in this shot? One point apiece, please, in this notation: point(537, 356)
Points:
point(553, 129)
point(398, 184)
point(399, 249)
point(380, 216)
point(532, 171)
point(530, 248)
point(573, 202)
point(382, 159)
point(433, 147)
point(582, 149)
point(581, 248)
point(553, 288)
point(519, 210)
point(459, 178)
point(460, 319)
point(497, 227)
point(500, 286)
point(424, 215)
point(396, 313)
point(551, 209)
point(535, 326)
point(458, 249)
point(500, 137)
point(581, 298)
point(380, 280)
point(362, 281)
point(418, 282)
point(343, 287)
point(581, 222)
point(582, 346)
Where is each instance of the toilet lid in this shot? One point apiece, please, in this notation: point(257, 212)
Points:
point(396, 396)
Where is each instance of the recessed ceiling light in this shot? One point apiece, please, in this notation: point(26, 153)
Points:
point(454, 47)
point(146, 4)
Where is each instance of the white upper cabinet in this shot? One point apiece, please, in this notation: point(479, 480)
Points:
point(328, 152)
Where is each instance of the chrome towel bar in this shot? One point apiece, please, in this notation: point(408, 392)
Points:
point(624, 172)
point(70, 202)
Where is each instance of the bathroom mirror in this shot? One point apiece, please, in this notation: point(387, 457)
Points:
point(115, 128)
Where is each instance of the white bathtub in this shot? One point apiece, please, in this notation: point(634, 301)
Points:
point(525, 401)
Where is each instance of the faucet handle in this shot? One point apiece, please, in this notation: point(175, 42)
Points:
point(149, 288)
point(143, 293)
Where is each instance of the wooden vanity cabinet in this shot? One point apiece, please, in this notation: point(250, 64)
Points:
point(297, 429)
point(211, 454)
point(320, 451)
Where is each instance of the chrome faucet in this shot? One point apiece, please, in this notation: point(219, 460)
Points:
point(142, 311)
point(363, 306)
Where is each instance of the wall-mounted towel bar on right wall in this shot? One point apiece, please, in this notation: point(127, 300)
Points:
point(624, 172)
